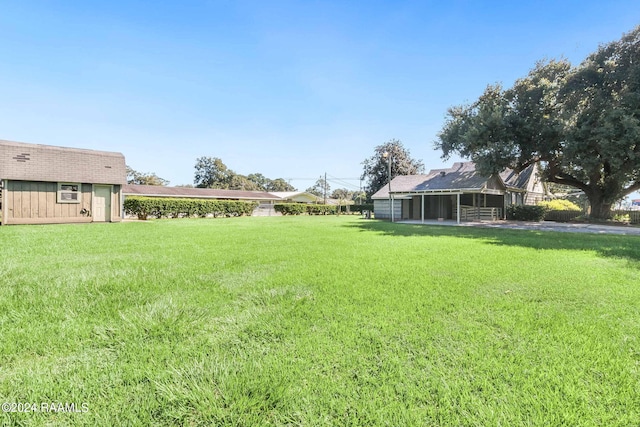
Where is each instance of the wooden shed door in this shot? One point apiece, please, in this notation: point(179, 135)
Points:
point(101, 203)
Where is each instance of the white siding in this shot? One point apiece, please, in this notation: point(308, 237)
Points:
point(381, 209)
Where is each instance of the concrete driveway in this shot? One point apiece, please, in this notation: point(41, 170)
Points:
point(541, 226)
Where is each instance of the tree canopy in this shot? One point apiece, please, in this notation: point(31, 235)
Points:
point(320, 188)
point(144, 178)
point(581, 124)
point(376, 168)
point(342, 194)
point(278, 184)
point(211, 172)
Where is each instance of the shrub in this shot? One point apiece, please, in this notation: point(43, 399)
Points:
point(360, 208)
point(560, 205)
point(170, 207)
point(290, 208)
point(562, 216)
point(321, 209)
point(632, 217)
point(301, 208)
point(622, 217)
point(526, 212)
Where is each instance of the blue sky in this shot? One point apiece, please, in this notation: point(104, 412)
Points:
point(289, 89)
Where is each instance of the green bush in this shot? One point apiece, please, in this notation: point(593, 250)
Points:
point(632, 217)
point(622, 217)
point(562, 216)
point(302, 208)
point(144, 207)
point(560, 205)
point(322, 209)
point(290, 208)
point(359, 208)
point(526, 212)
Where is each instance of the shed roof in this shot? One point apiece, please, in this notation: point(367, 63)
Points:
point(204, 193)
point(37, 162)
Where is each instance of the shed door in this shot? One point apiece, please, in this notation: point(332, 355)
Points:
point(102, 203)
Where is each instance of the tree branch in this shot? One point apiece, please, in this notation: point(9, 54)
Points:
point(560, 177)
point(632, 188)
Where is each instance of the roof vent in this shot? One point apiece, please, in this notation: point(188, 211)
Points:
point(442, 174)
point(23, 157)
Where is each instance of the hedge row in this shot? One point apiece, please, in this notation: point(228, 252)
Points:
point(301, 208)
point(560, 205)
point(526, 212)
point(159, 207)
point(562, 215)
point(356, 208)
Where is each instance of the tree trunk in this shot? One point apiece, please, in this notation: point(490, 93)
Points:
point(600, 205)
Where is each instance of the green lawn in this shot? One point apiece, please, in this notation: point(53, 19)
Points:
point(318, 321)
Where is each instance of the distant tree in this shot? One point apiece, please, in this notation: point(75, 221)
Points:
point(241, 182)
point(376, 168)
point(342, 194)
point(320, 188)
point(143, 178)
point(359, 197)
point(581, 124)
point(260, 180)
point(266, 184)
point(212, 173)
point(279, 184)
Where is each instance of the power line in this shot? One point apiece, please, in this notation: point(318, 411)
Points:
point(346, 185)
point(315, 179)
point(341, 181)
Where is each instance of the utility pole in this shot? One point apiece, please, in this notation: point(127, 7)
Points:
point(387, 155)
point(324, 187)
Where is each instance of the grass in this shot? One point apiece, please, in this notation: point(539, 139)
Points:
point(318, 321)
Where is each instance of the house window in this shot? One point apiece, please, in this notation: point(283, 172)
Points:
point(69, 192)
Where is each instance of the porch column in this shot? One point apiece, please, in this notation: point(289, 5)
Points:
point(458, 207)
point(392, 206)
point(422, 210)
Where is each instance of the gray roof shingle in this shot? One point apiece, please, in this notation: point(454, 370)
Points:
point(461, 176)
point(35, 162)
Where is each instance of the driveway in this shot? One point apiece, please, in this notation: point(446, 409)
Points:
point(541, 226)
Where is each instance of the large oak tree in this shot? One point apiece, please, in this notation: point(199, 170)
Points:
point(582, 124)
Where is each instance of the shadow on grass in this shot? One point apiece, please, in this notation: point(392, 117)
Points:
point(607, 245)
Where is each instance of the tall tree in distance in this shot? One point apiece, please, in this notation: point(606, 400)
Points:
point(241, 182)
point(279, 184)
point(320, 188)
point(259, 180)
point(144, 178)
point(342, 194)
point(581, 124)
point(265, 184)
point(376, 168)
point(212, 173)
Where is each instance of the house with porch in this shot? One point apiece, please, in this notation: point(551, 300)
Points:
point(457, 193)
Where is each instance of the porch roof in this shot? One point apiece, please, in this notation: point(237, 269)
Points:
point(461, 178)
